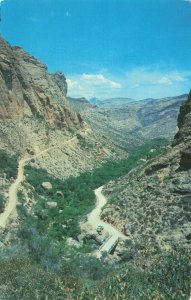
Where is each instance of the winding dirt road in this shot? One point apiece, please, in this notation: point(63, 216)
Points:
point(93, 219)
point(13, 190)
point(11, 206)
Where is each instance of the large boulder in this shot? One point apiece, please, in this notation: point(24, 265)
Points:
point(52, 204)
point(46, 185)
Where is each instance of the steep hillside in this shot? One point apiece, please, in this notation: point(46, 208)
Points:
point(153, 202)
point(135, 122)
point(35, 115)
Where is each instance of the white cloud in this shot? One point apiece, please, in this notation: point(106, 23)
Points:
point(165, 80)
point(138, 84)
point(140, 77)
point(178, 77)
point(71, 83)
point(1, 1)
point(169, 79)
point(92, 85)
point(99, 79)
point(149, 83)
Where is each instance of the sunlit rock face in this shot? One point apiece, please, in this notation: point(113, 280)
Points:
point(27, 89)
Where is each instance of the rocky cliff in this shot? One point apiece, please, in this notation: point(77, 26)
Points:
point(153, 202)
point(27, 89)
point(184, 123)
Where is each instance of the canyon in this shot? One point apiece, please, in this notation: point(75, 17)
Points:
point(92, 188)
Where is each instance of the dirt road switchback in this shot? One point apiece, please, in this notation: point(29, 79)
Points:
point(93, 221)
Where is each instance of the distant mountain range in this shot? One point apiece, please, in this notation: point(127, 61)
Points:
point(111, 101)
point(123, 101)
point(129, 122)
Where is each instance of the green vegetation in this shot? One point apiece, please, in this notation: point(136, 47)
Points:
point(112, 170)
point(56, 212)
point(2, 203)
point(165, 277)
point(8, 164)
point(72, 198)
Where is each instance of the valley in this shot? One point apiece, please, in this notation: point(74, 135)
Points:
point(132, 123)
point(92, 188)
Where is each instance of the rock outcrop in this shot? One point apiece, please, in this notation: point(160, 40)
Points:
point(154, 201)
point(184, 123)
point(27, 89)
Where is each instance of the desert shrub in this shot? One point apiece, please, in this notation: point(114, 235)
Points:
point(8, 164)
point(164, 275)
point(24, 279)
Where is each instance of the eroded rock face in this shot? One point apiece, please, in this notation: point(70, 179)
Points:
point(184, 123)
point(60, 80)
point(26, 88)
point(154, 201)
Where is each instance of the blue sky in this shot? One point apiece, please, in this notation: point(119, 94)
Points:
point(107, 48)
